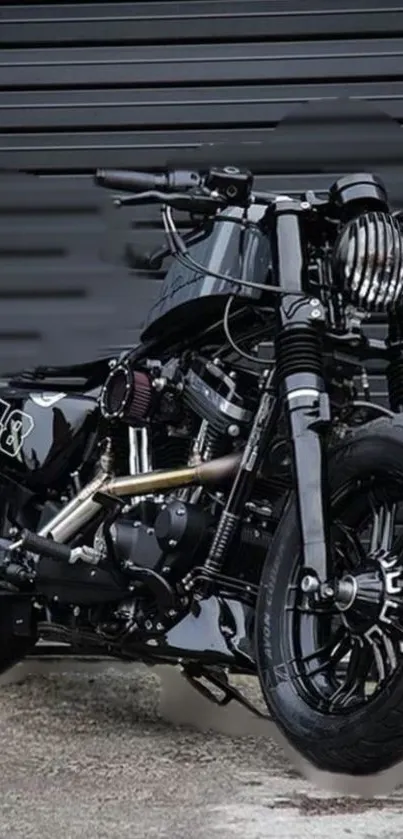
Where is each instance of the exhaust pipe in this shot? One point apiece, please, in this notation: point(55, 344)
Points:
point(83, 508)
point(213, 471)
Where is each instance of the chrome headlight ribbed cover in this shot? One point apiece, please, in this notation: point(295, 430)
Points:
point(368, 262)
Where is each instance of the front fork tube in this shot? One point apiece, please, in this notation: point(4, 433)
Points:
point(300, 381)
point(307, 407)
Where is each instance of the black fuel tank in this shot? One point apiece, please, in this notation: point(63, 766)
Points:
point(43, 435)
point(196, 297)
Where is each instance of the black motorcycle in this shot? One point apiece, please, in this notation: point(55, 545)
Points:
point(226, 495)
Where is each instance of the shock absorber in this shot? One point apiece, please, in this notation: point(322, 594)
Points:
point(394, 370)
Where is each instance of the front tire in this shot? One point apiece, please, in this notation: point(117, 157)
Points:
point(361, 733)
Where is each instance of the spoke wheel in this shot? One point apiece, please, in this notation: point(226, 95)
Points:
point(331, 669)
point(358, 640)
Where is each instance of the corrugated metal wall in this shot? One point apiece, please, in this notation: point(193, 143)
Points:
point(127, 84)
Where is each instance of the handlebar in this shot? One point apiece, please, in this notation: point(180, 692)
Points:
point(185, 190)
point(193, 192)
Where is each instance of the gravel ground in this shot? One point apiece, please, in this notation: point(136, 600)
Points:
point(99, 754)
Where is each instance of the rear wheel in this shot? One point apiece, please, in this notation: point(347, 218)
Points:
point(333, 678)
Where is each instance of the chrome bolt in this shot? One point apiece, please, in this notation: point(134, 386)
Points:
point(316, 314)
point(172, 543)
point(233, 430)
point(309, 584)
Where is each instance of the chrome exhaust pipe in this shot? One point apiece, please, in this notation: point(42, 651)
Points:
point(83, 508)
point(74, 506)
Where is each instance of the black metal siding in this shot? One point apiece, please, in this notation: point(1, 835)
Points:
point(127, 84)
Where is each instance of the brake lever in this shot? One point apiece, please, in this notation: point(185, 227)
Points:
point(178, 201)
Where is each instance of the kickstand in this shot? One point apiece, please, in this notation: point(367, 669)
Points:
point(194, 674)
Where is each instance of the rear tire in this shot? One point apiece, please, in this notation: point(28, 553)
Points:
point(366, 738)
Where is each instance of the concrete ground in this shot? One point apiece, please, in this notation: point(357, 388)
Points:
point(98, 752)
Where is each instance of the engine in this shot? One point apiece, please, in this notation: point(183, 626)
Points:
point(156, 396)
point(191, 408)
point(148, 553)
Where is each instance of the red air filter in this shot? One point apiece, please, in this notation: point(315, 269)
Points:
point(127, 395)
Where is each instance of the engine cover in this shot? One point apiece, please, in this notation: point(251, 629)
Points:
point(136, 544)
point(211, 393)
point(162, 538)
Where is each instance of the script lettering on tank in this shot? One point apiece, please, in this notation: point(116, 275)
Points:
point(15, 427)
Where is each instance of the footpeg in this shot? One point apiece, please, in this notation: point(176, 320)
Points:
point(56, 550)
point(45, 547)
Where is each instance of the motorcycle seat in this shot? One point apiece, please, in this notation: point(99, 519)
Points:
point(69, 379)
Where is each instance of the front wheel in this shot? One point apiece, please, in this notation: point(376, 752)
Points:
point(333, 678)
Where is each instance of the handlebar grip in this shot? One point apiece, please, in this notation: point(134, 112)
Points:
point(129, 181)
point(179, 180)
